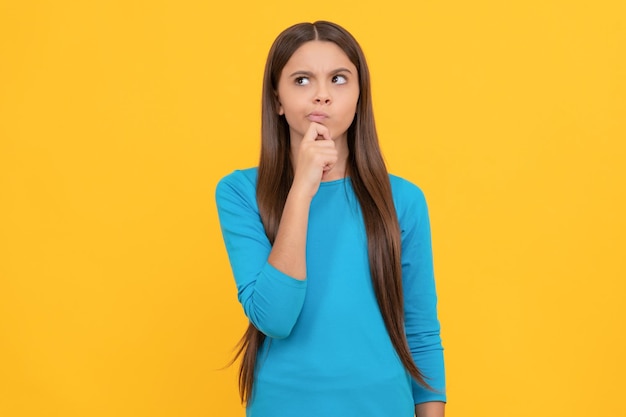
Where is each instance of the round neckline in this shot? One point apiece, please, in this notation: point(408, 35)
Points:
point(334, 182)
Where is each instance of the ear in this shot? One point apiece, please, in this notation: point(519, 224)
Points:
point(281, 111)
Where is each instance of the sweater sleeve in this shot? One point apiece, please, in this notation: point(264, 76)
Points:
point(271, 300)
point(420, 296)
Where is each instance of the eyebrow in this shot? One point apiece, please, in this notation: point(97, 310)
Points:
point(309, 73)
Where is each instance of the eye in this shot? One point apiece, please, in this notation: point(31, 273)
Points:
point(301, 81)
point(339, 79)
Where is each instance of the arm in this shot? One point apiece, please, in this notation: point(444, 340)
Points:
point(271, 279)
point(289, 251)
point(430, 409)
point(420, 298)
point(271, 299)
point(312, 158)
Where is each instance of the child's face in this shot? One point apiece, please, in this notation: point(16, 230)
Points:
point(318, 84)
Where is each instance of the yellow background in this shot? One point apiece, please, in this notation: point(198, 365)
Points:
point(117, 118)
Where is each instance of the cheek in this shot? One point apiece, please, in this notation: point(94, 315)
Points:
point(292, 117)
point(354, 100)
point(289, 105)
point(352, 104)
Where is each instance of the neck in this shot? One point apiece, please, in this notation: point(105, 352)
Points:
point(338, 172)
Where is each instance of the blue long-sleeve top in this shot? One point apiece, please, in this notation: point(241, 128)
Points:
point(328, 352)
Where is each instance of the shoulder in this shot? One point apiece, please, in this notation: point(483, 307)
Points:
point(241, 182)
point(241, 178)
point(405, 192)
point(409, 200)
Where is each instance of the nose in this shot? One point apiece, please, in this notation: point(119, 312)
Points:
point(322, 96)
point(322, 99)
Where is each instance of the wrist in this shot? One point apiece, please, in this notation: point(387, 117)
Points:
point(301, 192)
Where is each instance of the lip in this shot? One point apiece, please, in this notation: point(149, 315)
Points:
point(317, 116)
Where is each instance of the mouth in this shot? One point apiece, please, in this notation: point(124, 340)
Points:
point(317, 116)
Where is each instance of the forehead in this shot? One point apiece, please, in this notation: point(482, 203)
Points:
point(318, 57)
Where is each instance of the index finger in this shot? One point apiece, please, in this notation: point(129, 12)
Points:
point(317, 131)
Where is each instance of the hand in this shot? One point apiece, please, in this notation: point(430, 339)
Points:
point(316, 156)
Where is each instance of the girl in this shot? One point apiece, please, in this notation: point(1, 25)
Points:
point(331, 254)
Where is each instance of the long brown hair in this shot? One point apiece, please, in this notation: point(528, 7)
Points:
point(369, 178)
